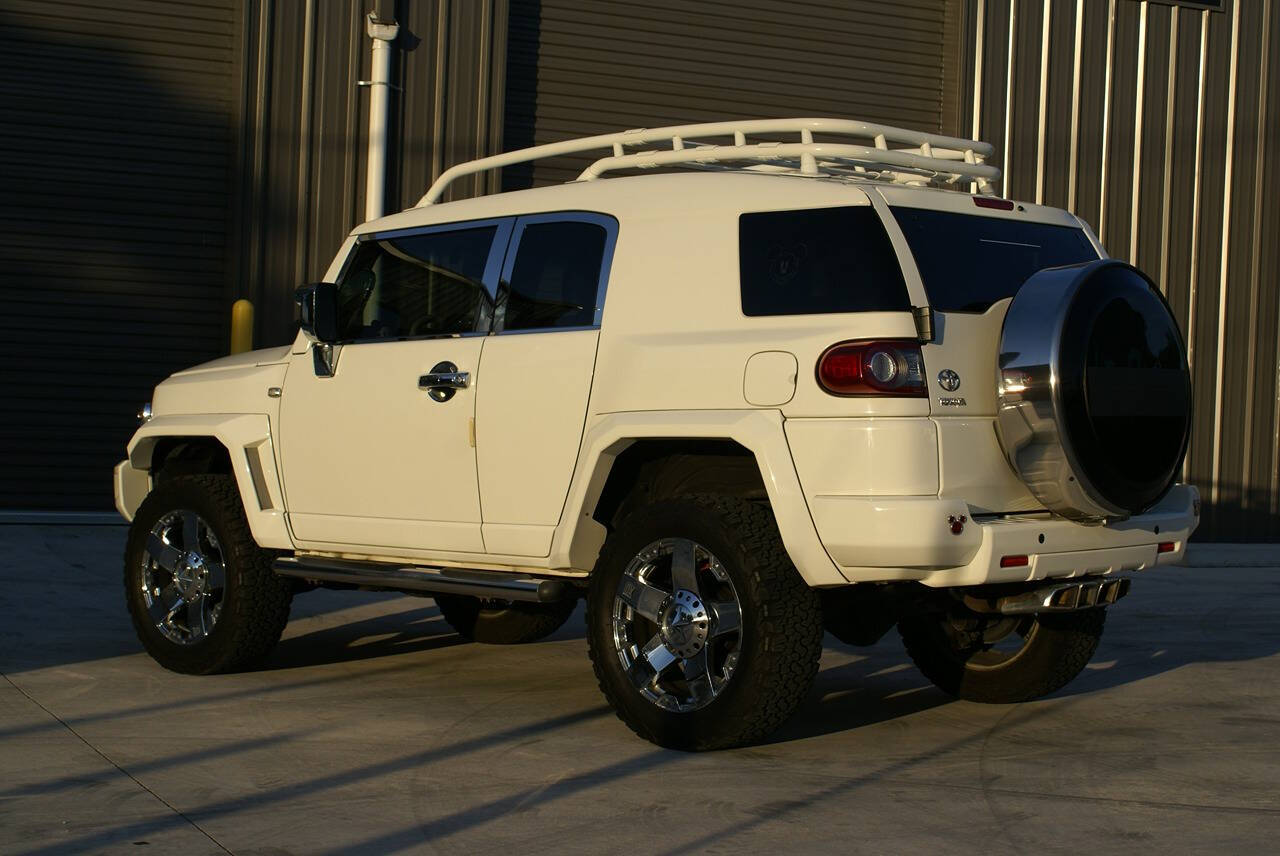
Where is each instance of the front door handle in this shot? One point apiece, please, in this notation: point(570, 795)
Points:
point(443, 381)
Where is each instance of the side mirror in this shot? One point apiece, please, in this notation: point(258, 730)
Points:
point(318, 310)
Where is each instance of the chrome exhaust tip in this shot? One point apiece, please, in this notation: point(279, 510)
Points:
point(1065, 597)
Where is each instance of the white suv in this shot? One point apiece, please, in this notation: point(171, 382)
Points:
point(831, 382)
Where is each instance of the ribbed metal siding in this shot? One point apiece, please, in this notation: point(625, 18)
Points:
point(579, 67)
point(305, 134)
point(1170, 150)
point(116, 146)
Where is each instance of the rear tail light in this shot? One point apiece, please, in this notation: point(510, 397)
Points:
point(884, 367)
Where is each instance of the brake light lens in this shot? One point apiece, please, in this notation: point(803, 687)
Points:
point(893, 367)
point(1165, 547)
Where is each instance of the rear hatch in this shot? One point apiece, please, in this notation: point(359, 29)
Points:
point(972, 255)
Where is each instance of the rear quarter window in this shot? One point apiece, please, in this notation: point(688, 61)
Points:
point(818, 261)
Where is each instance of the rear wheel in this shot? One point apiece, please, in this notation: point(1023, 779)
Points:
point(503, 622)
point(1002, 659)
point(702, 633)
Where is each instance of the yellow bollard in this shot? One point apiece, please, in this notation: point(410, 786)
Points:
point(241, 326)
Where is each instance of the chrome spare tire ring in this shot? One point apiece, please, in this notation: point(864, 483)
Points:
point(677, 624)
point(1094, 391)
point(183, 577)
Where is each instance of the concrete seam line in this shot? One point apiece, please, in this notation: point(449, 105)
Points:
point(122, 770)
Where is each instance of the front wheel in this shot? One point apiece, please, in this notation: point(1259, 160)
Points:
point(701, 632)
point(1002, 659)
point(201, 593)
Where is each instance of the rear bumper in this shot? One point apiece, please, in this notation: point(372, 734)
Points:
point(914, 538)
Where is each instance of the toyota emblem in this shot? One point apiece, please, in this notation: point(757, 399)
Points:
point(949, 380)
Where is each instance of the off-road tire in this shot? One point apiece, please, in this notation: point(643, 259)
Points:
point(503, 622)
point(781, 623)
point(1055, 651)
point(255, 606)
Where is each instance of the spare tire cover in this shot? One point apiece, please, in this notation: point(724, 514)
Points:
point(1095, 394)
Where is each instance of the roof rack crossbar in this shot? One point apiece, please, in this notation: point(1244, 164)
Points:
point(916, 156)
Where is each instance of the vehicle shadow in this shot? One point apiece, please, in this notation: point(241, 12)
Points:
point(406, 632)
point(386, 634)
point(1179, 617)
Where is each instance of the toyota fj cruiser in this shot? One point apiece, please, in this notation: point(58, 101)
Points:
point(829, 381)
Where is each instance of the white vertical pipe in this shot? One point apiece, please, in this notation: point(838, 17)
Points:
point(375, 182)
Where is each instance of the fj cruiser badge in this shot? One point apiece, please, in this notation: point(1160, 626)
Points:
point(949, 380)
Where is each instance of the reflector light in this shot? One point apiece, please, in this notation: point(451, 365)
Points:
point(1013, 561)
point(893, 367)
point(1164, 547)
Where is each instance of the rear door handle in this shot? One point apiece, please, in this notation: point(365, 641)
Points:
point(443, 381)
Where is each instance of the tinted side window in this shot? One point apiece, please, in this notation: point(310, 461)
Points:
point(969, 262)
point(556, 276)
point(818, 261)
point(416, 285)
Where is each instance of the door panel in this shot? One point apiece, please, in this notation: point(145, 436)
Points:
point(538, 370)
point(372, 460)
point(529, 417)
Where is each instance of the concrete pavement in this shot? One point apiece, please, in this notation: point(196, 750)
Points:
point(374, 729)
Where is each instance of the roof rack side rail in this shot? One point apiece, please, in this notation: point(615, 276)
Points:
point(898, 154)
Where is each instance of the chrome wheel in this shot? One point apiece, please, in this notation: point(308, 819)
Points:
point(183, 577)
point(677, 624)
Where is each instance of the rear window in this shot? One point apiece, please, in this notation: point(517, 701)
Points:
point(818, 261)
point(969, 262)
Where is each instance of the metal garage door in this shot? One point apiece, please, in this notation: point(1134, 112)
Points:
point(578, 67)
point(116, 145)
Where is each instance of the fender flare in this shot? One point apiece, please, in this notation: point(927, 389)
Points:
point(247, 439)
point(579, 537)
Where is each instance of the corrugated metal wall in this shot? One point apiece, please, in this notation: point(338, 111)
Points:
point(306, 127)
point(581, 67)
point(116, 154)
point(1160, 125)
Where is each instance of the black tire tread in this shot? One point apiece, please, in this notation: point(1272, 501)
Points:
point(514, 624)
point(251, 631)
point(1063, 645)
point(792, 629)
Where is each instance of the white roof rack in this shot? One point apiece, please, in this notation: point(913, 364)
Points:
point(893, 154)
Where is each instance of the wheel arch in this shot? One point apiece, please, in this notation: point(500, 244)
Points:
point(716, 446)
point(239, 445)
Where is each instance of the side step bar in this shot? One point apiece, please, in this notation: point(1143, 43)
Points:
point(383, 575)
point(1065, 597)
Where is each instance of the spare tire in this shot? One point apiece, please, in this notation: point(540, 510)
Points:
point(1094, 390)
